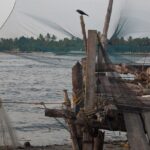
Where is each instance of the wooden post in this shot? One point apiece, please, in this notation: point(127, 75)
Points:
point(71, 124)
point(106, 24)
point(99, 141)
point(83, 63)
point(90, 84)
point(90, 69)
point(83, 32)
point(77, 83)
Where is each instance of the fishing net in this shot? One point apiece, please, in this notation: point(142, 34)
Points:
point(130, 21)
point(133, 19)
point(7, 136)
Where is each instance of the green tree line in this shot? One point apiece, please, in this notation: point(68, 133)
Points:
point(48, 43)
point(122, 45)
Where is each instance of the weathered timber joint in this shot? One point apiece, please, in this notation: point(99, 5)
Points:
point(59, 113)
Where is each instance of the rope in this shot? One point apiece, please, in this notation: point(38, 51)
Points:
point(39, 103)
point(78, 97)
point(34, 103)
point(61, 124)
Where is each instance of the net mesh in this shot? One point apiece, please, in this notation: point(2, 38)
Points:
point(7, 134)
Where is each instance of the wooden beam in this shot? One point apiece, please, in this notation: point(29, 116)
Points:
point(106, 24)
point(54, 113)
point(107, 18)
point(135, 132)
point(146, 119)
point(71, 124)
point(134, 124)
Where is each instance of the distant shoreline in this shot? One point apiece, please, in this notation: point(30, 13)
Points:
point(129, 53)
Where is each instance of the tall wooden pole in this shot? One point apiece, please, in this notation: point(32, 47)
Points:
point(90, 69)
point(83, 32)
point(71, 124)
point(90, 84)
point(106, 24)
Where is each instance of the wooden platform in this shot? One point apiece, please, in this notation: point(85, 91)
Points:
point(136, 111)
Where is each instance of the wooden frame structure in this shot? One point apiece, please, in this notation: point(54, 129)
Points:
point(95, 93)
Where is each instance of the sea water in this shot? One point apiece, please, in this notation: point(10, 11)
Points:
point(35, 78)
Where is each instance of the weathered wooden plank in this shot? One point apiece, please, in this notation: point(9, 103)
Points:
point(146, 118)
point(116, 122)
point(135, 132)
point(90, 69)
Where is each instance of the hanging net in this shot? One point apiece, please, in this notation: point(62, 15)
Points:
point(8, 138)
point(132, 28)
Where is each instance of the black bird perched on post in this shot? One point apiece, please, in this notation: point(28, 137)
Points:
point(81, 12)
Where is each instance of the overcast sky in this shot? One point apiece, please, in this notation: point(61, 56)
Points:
point(31, 17)
point(6, 7)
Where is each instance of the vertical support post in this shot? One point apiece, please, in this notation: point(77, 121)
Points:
point(99, 141)
point(83, 63)
point(90, 69)
point(77, 83)
point(90, 84)
point(106, 24)
point(71, 124)
point(83, 32)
